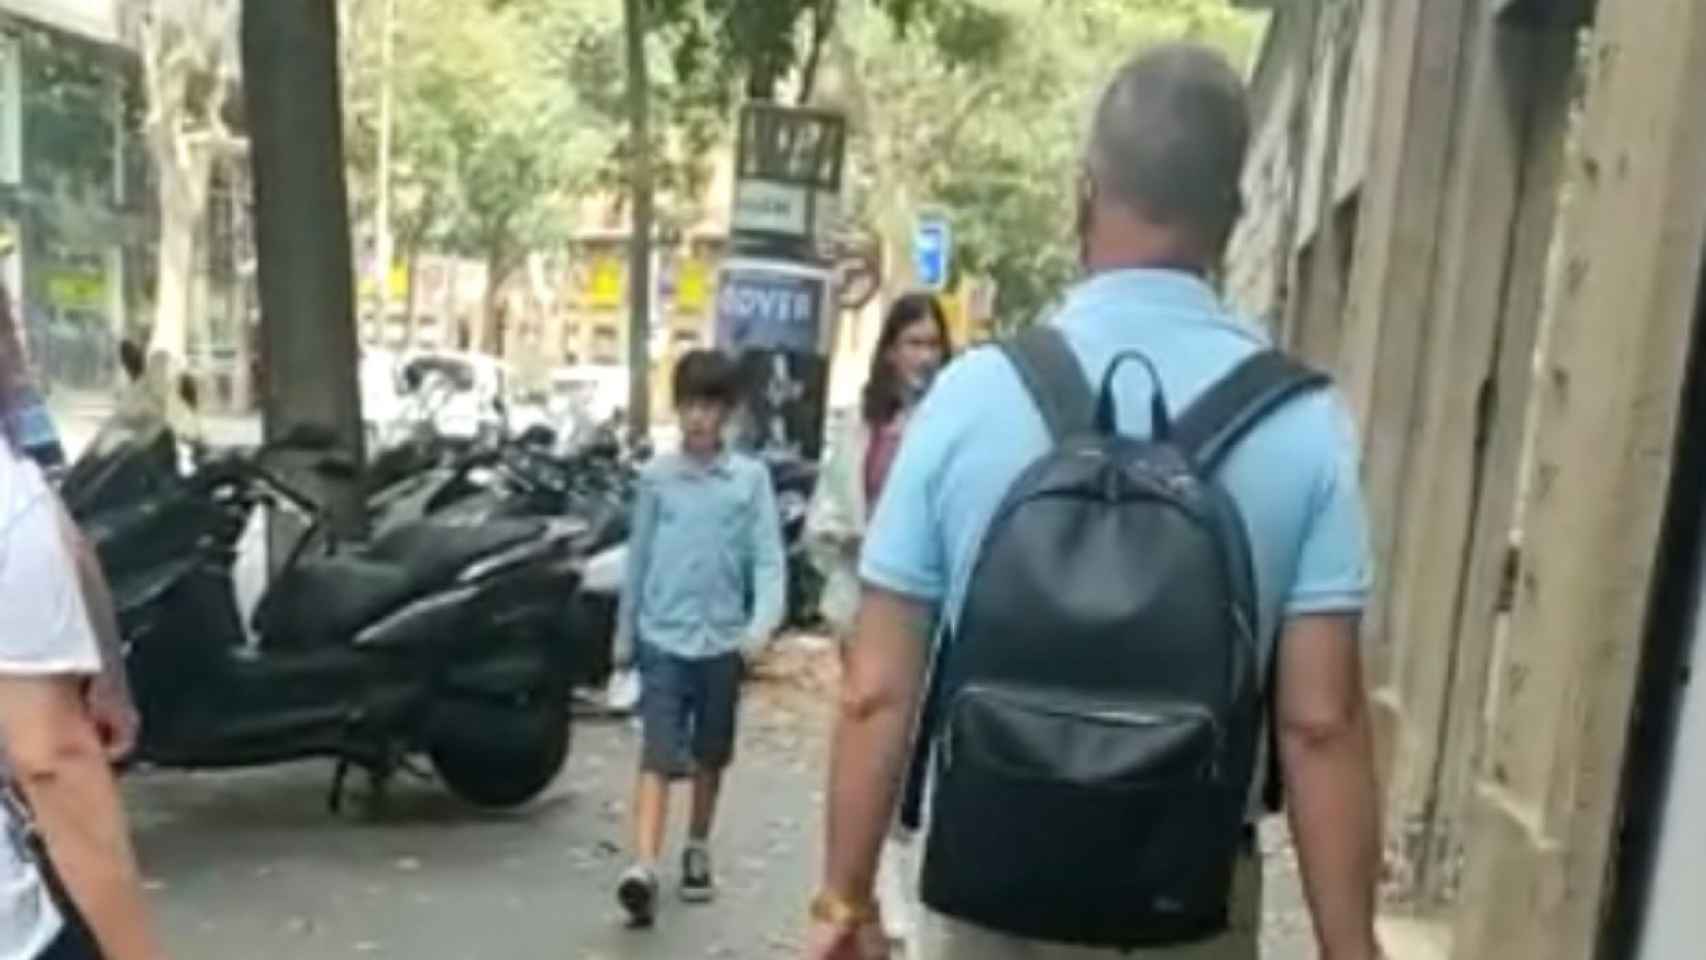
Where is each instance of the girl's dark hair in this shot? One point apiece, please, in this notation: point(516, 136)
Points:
point(884, 392)
point(706, 375)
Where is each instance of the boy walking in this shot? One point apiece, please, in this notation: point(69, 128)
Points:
point(705, 590)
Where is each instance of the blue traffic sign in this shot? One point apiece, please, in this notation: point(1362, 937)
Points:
point(932, 252)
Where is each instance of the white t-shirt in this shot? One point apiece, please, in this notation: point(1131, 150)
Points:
point(44, 630)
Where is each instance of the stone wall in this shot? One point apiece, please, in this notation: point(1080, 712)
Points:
point(1315, 50)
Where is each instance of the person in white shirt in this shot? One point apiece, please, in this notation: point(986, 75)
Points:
point(57, 735)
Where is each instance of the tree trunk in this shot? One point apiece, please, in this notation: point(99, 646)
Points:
point(290, 71)
point(491, 337)
point(412, 263)
point(182, 200)
point(823, 26)
point(640, 236)
point(176, 263)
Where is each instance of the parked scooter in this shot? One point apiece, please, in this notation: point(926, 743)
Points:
point(522, 477)
point(433, 638)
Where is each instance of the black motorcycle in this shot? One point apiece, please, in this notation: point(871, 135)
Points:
point(433, 638)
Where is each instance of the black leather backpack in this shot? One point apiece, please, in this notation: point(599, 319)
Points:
point(1095, 718)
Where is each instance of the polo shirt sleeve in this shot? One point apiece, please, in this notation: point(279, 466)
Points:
point(1334, 567)
point(44, 626)
point(903, 551)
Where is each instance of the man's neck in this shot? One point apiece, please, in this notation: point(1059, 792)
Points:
point(1115, 261)
point(1120, 241)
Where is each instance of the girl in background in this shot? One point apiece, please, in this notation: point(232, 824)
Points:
point(912, 346)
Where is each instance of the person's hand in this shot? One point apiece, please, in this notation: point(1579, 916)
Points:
point(749, 658)
point(114, 716)
point(752, 651)
point(828, 941)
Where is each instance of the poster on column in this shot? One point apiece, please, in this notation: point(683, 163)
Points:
point(773, 317)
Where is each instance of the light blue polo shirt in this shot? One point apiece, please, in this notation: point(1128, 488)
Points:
point(1294, 476)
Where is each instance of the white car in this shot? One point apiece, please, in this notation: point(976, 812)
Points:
point(462, 393)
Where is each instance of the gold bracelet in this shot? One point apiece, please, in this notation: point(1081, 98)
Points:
point(834, 910)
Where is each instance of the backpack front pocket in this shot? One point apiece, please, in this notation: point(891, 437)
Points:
point(1068, 819)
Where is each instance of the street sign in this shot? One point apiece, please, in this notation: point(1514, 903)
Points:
point(788, 173)
point(767, 207)
point(932, 252)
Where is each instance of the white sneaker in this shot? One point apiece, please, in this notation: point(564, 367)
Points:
point(637, 892)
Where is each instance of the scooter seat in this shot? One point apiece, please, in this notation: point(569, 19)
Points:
point(326, 602)
point(431, 554)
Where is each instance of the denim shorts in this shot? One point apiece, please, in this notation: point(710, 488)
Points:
point(687, 711)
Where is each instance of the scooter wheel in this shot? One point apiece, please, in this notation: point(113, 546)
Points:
point(502, 757)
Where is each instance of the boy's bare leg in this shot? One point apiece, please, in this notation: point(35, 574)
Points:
point(637, 890)
point(707, 787)
point(698, 884)
point(651, 815)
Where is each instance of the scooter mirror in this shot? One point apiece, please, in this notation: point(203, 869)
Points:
point(131, 359)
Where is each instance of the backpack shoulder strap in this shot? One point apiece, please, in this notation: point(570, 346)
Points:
point(1222, 416)
point(1054, 378)
point(1210, 430)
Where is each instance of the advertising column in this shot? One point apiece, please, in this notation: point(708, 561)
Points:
point(773, 315)
point(776, 296)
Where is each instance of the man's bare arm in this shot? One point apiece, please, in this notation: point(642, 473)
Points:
point(109, 697)
point(879, 699)
point(63, 773)
point(1327, 746)
point(97, 597)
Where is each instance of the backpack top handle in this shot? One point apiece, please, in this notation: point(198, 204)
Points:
point(1107, 419)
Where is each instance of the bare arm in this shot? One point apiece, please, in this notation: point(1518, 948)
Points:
point(1327, 746)
point(879, 699)
point(97, 597)
point(769, 573)
point(62, 771)
point(634, 580)
point(114, 712)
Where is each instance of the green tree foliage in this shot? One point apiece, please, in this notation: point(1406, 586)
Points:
point(975, 106)
point(490, 144)
point(752, 46)
point(986, 121)
point(519, 109)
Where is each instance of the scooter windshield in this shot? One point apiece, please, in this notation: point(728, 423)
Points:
point(133, 456)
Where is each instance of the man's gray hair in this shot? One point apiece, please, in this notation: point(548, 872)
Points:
point(1170, 138)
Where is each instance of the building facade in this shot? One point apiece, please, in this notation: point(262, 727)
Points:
point(72, 222)
point(1486, 218)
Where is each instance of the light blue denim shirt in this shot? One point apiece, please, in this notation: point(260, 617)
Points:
point(1294, 477)
point(706, 570)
